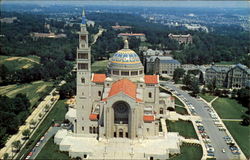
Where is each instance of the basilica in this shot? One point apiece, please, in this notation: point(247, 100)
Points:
point(118, 115)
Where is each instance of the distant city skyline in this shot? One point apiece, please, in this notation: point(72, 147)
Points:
point(166, 3)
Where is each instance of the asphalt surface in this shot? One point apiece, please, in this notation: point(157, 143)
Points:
point(50, 133)
point(213, 132)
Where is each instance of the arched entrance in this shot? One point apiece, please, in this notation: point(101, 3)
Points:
point(121, 119)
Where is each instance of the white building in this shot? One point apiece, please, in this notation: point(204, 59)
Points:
point(117, 115)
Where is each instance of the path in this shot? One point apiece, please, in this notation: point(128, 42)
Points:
point(101, 30)
point(213, 100)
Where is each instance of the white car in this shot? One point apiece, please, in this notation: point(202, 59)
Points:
point(223, 150)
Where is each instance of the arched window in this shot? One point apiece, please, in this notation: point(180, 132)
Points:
point(93, 129)
point(83, 80)
point(99, 93)
point(150, 95)
point(161, 110)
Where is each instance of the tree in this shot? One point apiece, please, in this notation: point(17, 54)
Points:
point(178, 74)
point(26, 133)
point(194, 86)
point(187, 80)
point(16, 145)
point(5, 156)
point(32, 123)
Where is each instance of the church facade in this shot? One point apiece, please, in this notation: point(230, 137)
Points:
point(122, 107)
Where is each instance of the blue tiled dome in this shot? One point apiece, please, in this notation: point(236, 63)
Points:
point(125, 57)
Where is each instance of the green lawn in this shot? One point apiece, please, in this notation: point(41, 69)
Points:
point(99, 66)
point(51, 151)
point(241, 134)
point(229, 108)
point(181, 110)
point(57, 114)
point(188, 152)
point(224, 63)
point(185, 128)
point(34, 90)
point(208, 97)
point(15, 63)
point(177, 101)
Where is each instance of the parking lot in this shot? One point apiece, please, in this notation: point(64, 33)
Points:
point(210, 127)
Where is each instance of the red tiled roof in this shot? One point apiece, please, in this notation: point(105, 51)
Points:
point(172, 98)
point(148, 118)
point(93, 117)
point(98, 78)
point(125, 86)
point(151, 79)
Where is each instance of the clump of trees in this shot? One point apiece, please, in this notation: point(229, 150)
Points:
point(13, 113)
point(68, 89)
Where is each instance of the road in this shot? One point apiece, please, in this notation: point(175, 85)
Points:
point(50, 133)
point(215, 135)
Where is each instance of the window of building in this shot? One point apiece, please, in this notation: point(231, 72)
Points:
point(82, 106)
point(83, 80)
point(134, 73)
point(150, 95)
point(115, 72)
point(161, 110)
point(90, 130)
point(82, 65)
point(125, 73)
point(82, 93)
point(140, 71)
point(147, 129)
point(99, 93)
point(94, 130)
point(82, 128)
point(83, 38)
point(82, 55)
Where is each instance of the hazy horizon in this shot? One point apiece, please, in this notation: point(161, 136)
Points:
point(208, 4)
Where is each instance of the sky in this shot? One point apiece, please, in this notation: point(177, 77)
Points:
point(166, 3)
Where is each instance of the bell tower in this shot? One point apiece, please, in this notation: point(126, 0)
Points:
point(83, 82)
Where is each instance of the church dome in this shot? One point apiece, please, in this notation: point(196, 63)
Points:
point(125, 57)
point(125, 62)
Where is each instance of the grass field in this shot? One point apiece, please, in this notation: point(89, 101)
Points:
point(181, 110)
point(241, 135)
point(15, 63)
point(99, 66)
point(185, 128)
point(57, 114)
point(229, 108)
point(51, 151)
point(208, 97)
point(34, 90)
point(188, 152)
point(224, 63)
point(178, 102)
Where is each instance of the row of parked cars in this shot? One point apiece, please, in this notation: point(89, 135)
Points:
point(34, 149)
point(205, 138)
point(234, 149)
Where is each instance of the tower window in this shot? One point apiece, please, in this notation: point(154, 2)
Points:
point(83, 38)
point(82, 128)
point(90, 130)
point(150, 95)
point(99, 93)
point(141, 72)
point(82, 55)
point(82, 65)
